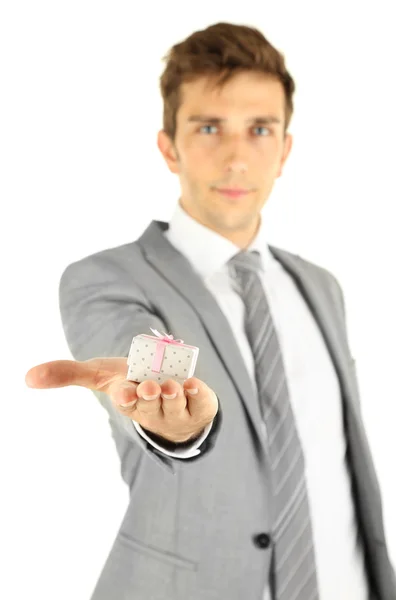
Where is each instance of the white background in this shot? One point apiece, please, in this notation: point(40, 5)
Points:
point(80, 110)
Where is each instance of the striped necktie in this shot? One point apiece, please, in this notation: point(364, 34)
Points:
point(293, 569)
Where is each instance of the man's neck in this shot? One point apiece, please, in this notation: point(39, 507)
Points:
point(240, 237)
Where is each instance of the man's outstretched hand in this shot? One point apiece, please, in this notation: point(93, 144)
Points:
point(174, 412)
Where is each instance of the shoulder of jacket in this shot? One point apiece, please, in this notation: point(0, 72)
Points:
point(117, 258)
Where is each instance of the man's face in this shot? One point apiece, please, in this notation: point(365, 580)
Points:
point(228, 138)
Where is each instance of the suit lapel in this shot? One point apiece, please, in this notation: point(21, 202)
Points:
point(314, 291)
point(174, 267)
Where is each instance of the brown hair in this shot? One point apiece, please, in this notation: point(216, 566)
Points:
point(223, 49)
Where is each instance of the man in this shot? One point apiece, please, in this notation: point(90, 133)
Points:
point(253, 479)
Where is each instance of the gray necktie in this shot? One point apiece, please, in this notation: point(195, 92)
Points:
point(294, 570)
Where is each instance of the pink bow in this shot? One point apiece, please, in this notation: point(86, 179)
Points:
point(163, 339)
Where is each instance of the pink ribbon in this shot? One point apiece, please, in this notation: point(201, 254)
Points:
point(163, 340)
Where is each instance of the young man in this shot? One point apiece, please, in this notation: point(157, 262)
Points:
point(253, 479)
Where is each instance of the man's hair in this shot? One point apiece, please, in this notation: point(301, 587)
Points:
point(222, 50)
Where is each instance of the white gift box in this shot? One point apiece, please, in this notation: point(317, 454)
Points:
point(160, 357)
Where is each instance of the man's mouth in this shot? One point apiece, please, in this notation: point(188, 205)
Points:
point(232, 192)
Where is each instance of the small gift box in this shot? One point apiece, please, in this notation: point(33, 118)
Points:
point(160, 357)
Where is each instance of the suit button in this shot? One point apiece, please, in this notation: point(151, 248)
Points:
point(262, 540)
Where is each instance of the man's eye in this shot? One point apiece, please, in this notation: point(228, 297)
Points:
point(206, 127)
point(265, 129)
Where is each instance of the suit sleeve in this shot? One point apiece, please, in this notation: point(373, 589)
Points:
point(102, 309)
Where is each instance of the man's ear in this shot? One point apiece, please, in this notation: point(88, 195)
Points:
point(287, 146)
point(168, 151)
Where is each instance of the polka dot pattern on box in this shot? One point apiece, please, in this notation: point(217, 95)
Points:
point(178, 361)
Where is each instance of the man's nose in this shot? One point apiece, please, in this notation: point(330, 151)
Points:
point(236, 155)
point(236, 166)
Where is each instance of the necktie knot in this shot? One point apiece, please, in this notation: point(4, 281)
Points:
point(246, 260)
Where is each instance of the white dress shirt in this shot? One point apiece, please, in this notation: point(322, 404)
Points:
point(314, 394)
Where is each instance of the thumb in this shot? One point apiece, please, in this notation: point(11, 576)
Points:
point(60, 373)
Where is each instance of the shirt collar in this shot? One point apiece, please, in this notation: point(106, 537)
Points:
point(208, 251)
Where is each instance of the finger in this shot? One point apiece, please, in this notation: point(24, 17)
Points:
point(201, 400)
point(124, 397)
point(174, 401)
point(58, 373)
point(149, 397)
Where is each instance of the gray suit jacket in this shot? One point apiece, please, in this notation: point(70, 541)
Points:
point(191, 528)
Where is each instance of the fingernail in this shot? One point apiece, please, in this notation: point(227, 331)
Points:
point(150, 397)
point(192, 391)
point(169, 396)
point(128, 385)
point(128, 405)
